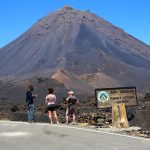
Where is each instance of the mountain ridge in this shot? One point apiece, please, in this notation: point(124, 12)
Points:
point(80, 43)
point(45, 23)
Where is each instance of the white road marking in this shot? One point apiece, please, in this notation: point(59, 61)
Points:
point(92, 130)
point(8, 124)
point(14, 134)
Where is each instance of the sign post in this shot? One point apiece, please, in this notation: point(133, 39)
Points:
point(118, 99)
point(119, 117)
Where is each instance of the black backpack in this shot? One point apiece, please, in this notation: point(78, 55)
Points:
point(72, 101)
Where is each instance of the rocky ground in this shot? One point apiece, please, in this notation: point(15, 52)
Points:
point(139, 133)
point(87, 114)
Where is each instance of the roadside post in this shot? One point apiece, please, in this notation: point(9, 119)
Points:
point(117, 98)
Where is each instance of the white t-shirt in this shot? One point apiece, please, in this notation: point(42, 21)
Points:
point(50, 99)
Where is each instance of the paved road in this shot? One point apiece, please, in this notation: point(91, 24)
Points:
point(24, 136)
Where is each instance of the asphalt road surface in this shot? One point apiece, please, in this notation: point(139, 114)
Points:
point(41, 136)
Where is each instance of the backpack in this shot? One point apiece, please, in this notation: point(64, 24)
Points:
point(72, 100)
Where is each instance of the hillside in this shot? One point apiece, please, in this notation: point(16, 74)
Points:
point(94, 52)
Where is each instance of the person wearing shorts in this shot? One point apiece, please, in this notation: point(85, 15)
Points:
point(71, 107)
point(51, 105)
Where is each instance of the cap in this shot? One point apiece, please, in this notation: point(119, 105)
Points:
point(70, 92)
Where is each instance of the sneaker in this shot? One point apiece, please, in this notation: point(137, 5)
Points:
point(32, 121)
point(73, 123)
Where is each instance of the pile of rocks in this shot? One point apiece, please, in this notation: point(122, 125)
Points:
point(102, 120)
point(139, 133)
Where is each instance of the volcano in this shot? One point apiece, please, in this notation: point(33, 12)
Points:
point(82, 44)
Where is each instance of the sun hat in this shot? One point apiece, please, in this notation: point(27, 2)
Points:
point(70, 92)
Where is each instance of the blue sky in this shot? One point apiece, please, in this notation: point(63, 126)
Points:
point(16, 16)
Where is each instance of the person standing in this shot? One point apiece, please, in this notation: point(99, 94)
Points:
point(71, 110)
point(51, 105)
point(30, 103)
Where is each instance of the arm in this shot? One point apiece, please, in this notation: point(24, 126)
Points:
point(46, 102)
point(67, 100)
point(77, 102)
point(55, 100)
point(30, 95)
point(34, 96)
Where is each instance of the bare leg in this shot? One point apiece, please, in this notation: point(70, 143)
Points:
point(73, 118)
point(50, 116)
point(67, 118)
point(55, 115)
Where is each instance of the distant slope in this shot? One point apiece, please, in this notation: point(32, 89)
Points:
point(71, 82)
point(16, 93)
point(82, 44)
point(71, 39)
point(100, 80)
